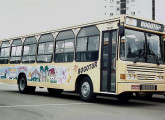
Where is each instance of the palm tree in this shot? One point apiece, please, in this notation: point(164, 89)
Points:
point(41, 70)
point(5, 73)
point(46, 70)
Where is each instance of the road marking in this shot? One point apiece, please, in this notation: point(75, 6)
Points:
point(40, 105)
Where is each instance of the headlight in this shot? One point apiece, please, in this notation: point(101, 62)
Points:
point(161, 78)
point(133, 77)
point(157, 78)
point(129, 77)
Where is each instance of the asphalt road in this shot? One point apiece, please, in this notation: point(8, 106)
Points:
point(68, 106)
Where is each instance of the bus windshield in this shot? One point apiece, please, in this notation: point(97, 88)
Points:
point(138, 46)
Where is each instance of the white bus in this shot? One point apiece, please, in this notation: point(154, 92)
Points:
point(117, 56)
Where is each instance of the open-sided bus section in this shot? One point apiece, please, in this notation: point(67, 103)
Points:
point(117, 56)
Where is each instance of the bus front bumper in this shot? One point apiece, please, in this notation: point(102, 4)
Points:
point(143, 87)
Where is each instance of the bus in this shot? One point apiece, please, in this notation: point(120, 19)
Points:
point(116, 56)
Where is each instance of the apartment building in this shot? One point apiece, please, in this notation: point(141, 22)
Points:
point(139, 8)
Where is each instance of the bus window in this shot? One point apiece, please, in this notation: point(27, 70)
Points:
point(65, 47)
point(140, 46)
point(87, 48)
point(5, 52)
point(29, 50)
point(45, 48)
point(16, 51)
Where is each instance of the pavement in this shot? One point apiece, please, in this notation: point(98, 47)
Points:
point(68, 106)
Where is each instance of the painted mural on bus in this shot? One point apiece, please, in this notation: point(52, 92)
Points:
point(46, 74)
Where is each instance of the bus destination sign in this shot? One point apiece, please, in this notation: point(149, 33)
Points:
point(144, 24)
point(151, 26)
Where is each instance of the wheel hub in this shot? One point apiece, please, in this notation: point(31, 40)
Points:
point(22, 84)
point(85, 89)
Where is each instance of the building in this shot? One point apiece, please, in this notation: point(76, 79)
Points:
point(139, 8)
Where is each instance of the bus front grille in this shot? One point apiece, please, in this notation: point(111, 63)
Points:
point(145, 72)
point(148, 87)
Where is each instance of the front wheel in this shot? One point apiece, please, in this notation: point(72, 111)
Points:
point(22, 86)
point(86, 90)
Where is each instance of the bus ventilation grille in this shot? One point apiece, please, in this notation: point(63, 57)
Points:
point(145, 73)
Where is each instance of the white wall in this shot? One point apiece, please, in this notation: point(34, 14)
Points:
point(160, 11)
point(145, 7)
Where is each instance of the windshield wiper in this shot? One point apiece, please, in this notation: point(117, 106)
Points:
point(153, 54)
point(138, 57)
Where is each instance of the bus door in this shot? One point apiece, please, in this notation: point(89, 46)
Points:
point(108, 61)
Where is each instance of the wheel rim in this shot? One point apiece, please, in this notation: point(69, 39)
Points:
point(85, 89)
point(22, 84)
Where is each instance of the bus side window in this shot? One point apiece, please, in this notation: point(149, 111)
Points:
point(65, 46)
point(16, 51)
point(87, 48)
point(29, 52)
point(5, 52)
point(45, 48)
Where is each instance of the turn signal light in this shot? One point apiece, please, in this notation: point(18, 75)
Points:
point(122, 76)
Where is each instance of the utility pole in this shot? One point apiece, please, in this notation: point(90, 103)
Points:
point(153, 9)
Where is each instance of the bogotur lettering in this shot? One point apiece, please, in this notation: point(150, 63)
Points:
point(151, 26)
point(86, 68)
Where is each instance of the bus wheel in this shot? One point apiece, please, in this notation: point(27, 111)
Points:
point(124, 97)
point(86, 90)
point(22, 86)
point(144, 95)
point(54, 92)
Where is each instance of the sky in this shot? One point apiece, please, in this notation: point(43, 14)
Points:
point(22, 17)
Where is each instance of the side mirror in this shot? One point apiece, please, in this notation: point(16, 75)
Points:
point(121, 30)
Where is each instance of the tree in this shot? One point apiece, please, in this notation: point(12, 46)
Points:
point(46, 70)
point(41, 70)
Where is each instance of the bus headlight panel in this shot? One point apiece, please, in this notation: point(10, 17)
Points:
point(159, 78)
point(131, 77)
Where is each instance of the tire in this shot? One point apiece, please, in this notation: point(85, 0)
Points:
point(144, 95)
point(54, 92)
point(86, 90)
point(22, 86)
point(124, 97)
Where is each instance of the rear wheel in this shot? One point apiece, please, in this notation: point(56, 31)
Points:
point(86, 90)
point(22, 86)
point(54, 92)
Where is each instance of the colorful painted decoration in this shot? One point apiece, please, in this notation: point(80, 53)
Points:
point(47, 74)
